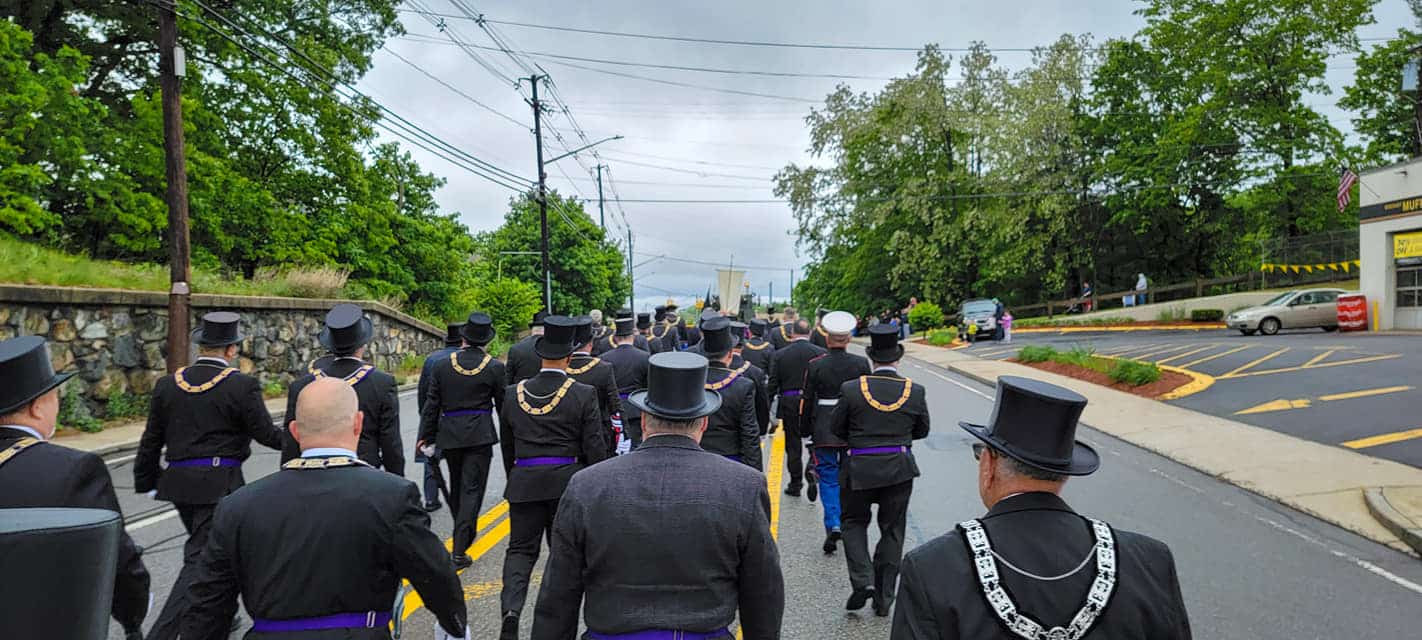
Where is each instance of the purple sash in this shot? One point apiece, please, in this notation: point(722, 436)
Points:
point(866, 451)
point(544, 461)
point(791, 393)
point(205, 462)
point(465, 412)
point(662, 634)
point(367, 620)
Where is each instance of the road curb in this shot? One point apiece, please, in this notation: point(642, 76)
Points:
point(1406, 528)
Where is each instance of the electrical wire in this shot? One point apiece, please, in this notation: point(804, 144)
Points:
point(456, 90)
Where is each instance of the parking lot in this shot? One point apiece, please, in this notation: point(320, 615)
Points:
point(1355, 390)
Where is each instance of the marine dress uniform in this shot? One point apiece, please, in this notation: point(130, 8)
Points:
point(1032, 567)
point(204, 418)
point(35, 473)
point(732, 431)
point(878, 416)
point(521, 363)
point(629, 368)
point(787, 382)
point(550, 428)
point(822, 386)
point(466, 390)
point(592, 371)
point(620, 542)
point(451, 344)
point(347, 330)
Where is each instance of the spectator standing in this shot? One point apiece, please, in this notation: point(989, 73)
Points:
point(1086, 293)
point(907, 329)
point(1141, 286)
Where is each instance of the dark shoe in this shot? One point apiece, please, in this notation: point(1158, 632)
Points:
point(510, 628)
point(431, 507)
point(793, 490)
point(831, 542)
point(881, 609)
point(812, 489)
point(461, 561)
point(858, 599)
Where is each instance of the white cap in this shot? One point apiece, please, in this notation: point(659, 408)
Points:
point(840, 322)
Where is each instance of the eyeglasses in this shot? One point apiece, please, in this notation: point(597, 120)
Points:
point(978, 449)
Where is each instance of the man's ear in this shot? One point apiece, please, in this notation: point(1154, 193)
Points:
point(295, 435)
point(359, 422)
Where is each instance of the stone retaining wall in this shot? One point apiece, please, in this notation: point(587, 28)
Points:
point(117, 339)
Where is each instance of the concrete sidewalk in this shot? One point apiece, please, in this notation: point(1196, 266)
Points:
point(1325, 481)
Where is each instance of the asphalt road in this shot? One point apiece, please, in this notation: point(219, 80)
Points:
point(1350, 389)
point(1249, 568)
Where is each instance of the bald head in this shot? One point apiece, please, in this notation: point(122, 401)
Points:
point(327, 415)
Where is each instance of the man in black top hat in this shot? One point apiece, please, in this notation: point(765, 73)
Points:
point(588, 370)
point(756, 349)
point(1009, 573)
point(657, 341)
point(608, 342)
point(820, 336)
point(346, 333)
point(782, 334)
point(787, 382)
point(35, 473)
point(452, 342)
point(685, 553)
point(644, 331)
point(733, 430)
point(521, 362)
point(319, 548)
point(465, 390)
point(629, 368)
point(204, 418)
point(878, 417)
point(549, 428)
point(756, 375)
point(823, 380)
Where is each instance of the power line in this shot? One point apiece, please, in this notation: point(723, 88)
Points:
point(437, 20)
point(456, 90)
point(712, 264)
point(693, 161)
point(695, 172)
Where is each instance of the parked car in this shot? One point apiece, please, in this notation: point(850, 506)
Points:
point(1302, 309)
point(981, 312)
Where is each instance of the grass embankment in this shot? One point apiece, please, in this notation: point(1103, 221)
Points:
point(1133, 376)
point(1028, 323)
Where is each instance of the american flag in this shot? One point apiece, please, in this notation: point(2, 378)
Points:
point(1345, 188)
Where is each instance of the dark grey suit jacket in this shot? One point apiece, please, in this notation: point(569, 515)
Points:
point(666, 537)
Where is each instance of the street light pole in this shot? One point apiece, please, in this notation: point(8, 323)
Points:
point(601, 217)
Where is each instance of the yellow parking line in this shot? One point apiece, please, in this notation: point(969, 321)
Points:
point(1364, 393)
point(1157, 352)
point(1185, 355)
point(1317, 366)
point(1217, 355)
point(1255, 363)
point(1137, 347)
point(1315, 360)
point(1386, 438)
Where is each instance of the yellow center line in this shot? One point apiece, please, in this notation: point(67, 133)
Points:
point(1217, 355)
point(481, 546)
point(1364, 393)
point(1315, 360)
point(1317, 366)
point(774, 473)
point(1255, 363)
point(1386, 438)
point(1185, 355)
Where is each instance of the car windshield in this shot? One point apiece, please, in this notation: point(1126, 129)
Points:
point(1278, 300)
point(978, 306)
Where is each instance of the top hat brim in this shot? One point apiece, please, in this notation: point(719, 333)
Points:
point(885, 355)
point(477, 334)
point(552, 350)
point(710, 403)
point(1084, 459)
point(367, 331)
point(198, 338)
point(58, 379)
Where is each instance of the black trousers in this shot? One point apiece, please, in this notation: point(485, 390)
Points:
point(529, 524)
point(794, 449)
point(882, 572)
point(431, 487)
point(197, 519)
point(468, 479)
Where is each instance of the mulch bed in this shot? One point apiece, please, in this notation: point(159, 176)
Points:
point(1125, 325)
point(1169, 380)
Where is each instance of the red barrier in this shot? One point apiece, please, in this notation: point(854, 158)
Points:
point(1353, 312)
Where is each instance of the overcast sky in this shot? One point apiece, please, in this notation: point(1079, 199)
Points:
point(684, 143)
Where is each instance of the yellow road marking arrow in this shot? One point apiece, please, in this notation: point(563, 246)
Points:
point(1304, 403)
point(1277, 405)
point(1386, 438)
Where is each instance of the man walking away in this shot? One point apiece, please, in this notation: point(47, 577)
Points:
point(787, 382)
point(452, 341)
point(629, 368)
point(521, 363)
point(824, 378)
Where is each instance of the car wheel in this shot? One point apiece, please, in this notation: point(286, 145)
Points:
point(1269, 326)
point(1330, 329)
point(1249, 332)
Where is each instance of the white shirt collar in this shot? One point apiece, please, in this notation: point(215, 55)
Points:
point(322, 452)
point(582, 353)
point(212, 358)
point(25, 429)
point(893, 369)
point(541, 370)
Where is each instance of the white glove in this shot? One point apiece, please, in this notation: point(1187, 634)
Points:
point(152, 494)
point(624, 445)
point(441, 634)
point(428, 450)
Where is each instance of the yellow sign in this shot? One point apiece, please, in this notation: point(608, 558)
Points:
point(1407, 245)
point(1331, 266)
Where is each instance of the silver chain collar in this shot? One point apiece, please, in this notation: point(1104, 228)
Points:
point(1019, 623)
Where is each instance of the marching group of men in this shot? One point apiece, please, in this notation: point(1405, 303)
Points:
point(634, 450)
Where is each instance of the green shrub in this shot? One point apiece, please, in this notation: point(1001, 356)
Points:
point(508, 301)
point(1060, 321)
point(1207, 315)
point(1036, 353)
point(926, 315)
point(74, 414)
point(273, 389)
point(1079, 356)
point(942, 337)
point(123, 404)
point(1134, 373)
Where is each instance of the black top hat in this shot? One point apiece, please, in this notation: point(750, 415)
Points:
point(671, 306)
point(626, 326)
point(1035, 423)
point(758, 327)
point(347, 329)
point(884, 344)
point(584, 333)
point(556, 342)
point(28, 373)
point(716, 336)
point(218, 329)
point(478, 330)
point(644, 321)
point(451, 336)
point(625, 312)
point(676, 388)
point(738, 332)
point(659, 312)
point(538, 318)
point(709, 313)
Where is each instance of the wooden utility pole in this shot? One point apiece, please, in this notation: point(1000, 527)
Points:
point(170, 68)
point(631, 280)
point(542, 193)
point(601, 217)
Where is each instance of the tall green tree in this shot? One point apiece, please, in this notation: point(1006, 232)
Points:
point(1383, 115)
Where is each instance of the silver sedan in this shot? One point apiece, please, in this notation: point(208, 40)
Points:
point(1302, 309)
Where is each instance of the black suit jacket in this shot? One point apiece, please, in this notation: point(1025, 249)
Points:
point(574, 429)
point(787, 373)
point(451, 391)
point(521, 362)
point(762, 392)
point(823, 380)
point(757, 351)
point(49, 475)
point(606, 344)
point(220, 422)
point(940, 598)
point(303, 543)
point(780, 335)
point(599, 375)
point(665, 337)
point(379, 395)
point(629, 368)
point(861, 425)
point(819, 337)
point(620, 547)
point(733, 429)
point(438, 356)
